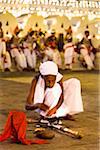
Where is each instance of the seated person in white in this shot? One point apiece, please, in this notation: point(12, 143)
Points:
point(51, 96)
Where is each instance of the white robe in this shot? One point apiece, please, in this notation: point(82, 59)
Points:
point(28, 56)
point(49, 53)
point(3, 51)
point(88, 58)
point(8, 63)
point(34, 58)
point(72, 103)
point(24, 63)
point(69, 53)
point(57, 58)
point(19, 58)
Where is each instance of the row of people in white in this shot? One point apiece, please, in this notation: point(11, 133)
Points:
point(24, 58)
point(27, 57)
point(30, 56)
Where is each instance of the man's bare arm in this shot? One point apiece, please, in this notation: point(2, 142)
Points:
point(30, 98)
point(37, 105)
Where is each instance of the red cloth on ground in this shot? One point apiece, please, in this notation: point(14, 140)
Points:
point(15, 129)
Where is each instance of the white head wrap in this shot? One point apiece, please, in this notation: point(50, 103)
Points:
point(48, 68)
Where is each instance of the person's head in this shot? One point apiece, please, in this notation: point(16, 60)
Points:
point(49, 80)
point(49, 71)
point(93, 35)
point(87, 33)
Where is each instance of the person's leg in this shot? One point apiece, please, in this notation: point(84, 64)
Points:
point(24, 60)
point(34, 59)
point(29, 59)
point(87, 58)
point(8, 63)
point(72, 96)
point(69, 57)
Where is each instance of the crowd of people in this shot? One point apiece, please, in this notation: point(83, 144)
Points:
point(26, 53)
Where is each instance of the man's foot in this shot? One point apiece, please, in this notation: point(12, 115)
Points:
point(69, 117)
point(6, 69)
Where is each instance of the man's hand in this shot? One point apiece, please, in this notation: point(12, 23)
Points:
point(52, 111)
point(32, 107)
point(43, 107)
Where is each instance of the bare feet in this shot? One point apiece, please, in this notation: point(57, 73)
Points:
point(69, 117)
